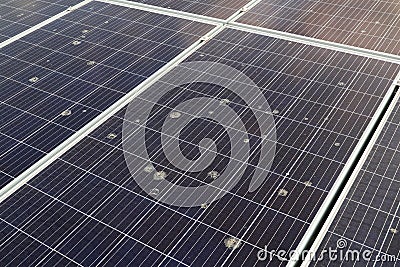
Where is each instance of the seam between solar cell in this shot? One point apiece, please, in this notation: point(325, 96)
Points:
point(320, 225)
point(43, 23)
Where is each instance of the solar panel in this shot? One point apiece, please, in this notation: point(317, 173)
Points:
point(232, 144)
point(368, 221)
point(57, 79)
point(366, 24)
point(221, 9)
point(88, 208)
point(17, 16)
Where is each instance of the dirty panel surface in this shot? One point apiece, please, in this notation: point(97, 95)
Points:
point(88, 205)
point(57, 79)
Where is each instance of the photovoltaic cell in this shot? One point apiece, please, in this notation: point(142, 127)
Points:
point(17, 16)
point(57, 79)
point(367, 24)
point(88, 207)
point(368, 220)
point(221, 9)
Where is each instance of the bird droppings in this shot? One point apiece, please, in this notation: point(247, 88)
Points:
point(76, 42)
point(85, 31)
point(149, 168)
point(204, 206)
point(137, 121)
point(275, 112)
point(90, 63)
point(111, 136)
point(283, 192)
point(394, 230)
point(341, 84)
point(34, 79)
point(160, 175)
point(246, 140)
point(224, 102)
point(308, 183)
point(363, 31)
point(66, 112)
point(232, 243)
point(211, 112)
point(213, 174)
point(337, 144)
point(175, 114)
point(306, 119)
point(154, 192)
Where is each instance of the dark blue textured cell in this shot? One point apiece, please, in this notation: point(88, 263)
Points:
point(4, 179)
point(19, 158)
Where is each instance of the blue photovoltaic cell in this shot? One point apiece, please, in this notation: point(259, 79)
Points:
point(57, 79)
point(221, 9)
point(17, 16)
point(88, 207)
point(363, 23)
point(368, 220)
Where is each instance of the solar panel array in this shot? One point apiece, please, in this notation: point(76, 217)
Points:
point(87, 208)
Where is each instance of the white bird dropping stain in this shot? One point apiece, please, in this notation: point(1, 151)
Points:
point(232, 243)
